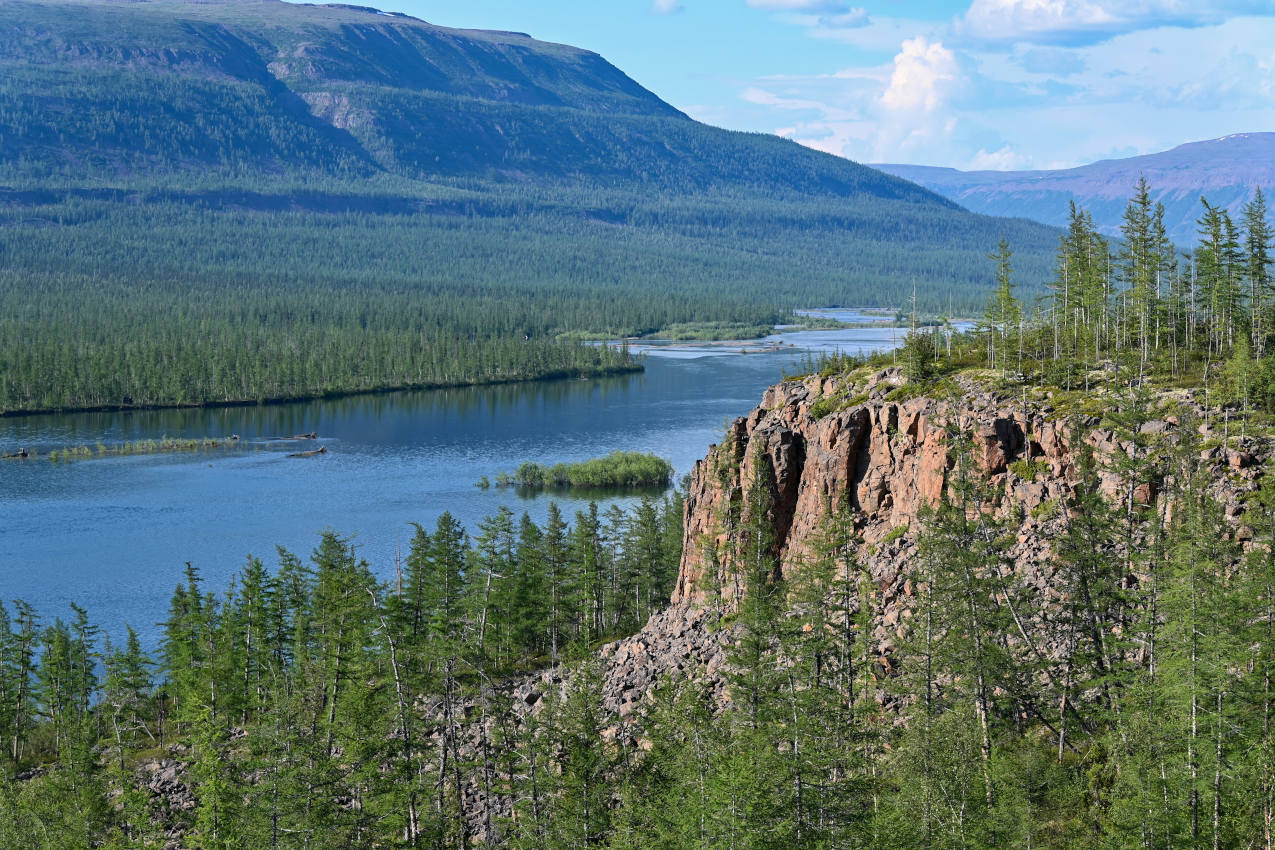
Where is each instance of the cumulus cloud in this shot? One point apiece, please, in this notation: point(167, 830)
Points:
point(666, 7)
point(905, 109)
point(1091, 21)
point(924, 73)
point(1091, 79)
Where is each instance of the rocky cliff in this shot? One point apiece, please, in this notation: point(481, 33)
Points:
point(820, 440)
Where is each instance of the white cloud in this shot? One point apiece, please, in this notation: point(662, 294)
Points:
point(1025, 19)
point(762, 97)
point(924, 73)
point(666, 7)
point(876, 33)
point(800, 5)
point(946, 99)
point(900, 111)
point(852, 19)
point(840, 138)
point(1090, 21)
point(1004, 159)
point(1051, 61)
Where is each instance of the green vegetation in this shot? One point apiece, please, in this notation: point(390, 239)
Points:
point(1146, 712)
point(618, 469)
point(1028, 470)
point(166, 303)
point(896, 533)
point(1113, 692)
point(714, 331)
point(164, 445)
point(1138, 314)
point(300, 689)
point(188, 218)
point(1094, 715)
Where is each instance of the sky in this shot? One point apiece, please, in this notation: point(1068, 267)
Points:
point(970, 84)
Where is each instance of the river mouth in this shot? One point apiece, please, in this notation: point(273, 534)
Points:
point(113, 533)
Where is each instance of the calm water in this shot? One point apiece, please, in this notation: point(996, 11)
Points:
point(113, 534)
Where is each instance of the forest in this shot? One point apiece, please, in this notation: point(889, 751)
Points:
point(314, 706)
point(214, 203)
point(278, 687)
point(154, 301)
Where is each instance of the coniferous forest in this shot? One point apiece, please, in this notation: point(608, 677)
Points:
point(279, 687)
point(312, 705)
point(159, 300)
point(207, 203)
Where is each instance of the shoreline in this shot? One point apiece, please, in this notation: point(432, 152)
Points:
point(560, 375)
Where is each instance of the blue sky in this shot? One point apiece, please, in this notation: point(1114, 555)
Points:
point(962, 83)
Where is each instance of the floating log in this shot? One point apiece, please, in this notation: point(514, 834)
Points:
point(313, 435)
point(321, 450)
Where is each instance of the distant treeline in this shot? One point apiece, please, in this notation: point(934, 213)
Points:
point(177, 297)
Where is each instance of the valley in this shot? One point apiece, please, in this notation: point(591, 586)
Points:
point(232, 202)
point(424, 437)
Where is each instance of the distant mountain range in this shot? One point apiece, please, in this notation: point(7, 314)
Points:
point(1226, 171)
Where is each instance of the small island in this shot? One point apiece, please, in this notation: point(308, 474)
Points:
point(618, 469)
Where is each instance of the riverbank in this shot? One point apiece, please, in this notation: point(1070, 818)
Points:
point(331, 395)
point(393, 460)
point(725, 332)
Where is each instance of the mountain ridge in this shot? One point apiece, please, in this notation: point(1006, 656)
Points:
point(352, 91)
point(1225, 170)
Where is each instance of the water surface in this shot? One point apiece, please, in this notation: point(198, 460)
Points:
point(113, 534)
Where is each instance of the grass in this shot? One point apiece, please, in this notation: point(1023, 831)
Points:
point(616, 470)
point(164, 445)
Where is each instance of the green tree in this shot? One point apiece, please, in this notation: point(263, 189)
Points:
point(1004, 313)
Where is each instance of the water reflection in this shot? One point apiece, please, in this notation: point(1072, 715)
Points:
point(113, 534)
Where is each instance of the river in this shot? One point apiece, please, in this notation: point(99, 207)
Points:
point(113, 534)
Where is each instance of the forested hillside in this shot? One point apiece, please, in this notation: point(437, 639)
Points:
point(233, 201)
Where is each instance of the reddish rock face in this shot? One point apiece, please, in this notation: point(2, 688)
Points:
point(891, 459)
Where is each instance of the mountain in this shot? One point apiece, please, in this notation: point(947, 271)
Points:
point(1225, 171)
point(97, 88)
point(238, 200)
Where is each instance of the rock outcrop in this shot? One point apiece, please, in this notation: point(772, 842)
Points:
point(891, 458)
point(818, 441)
